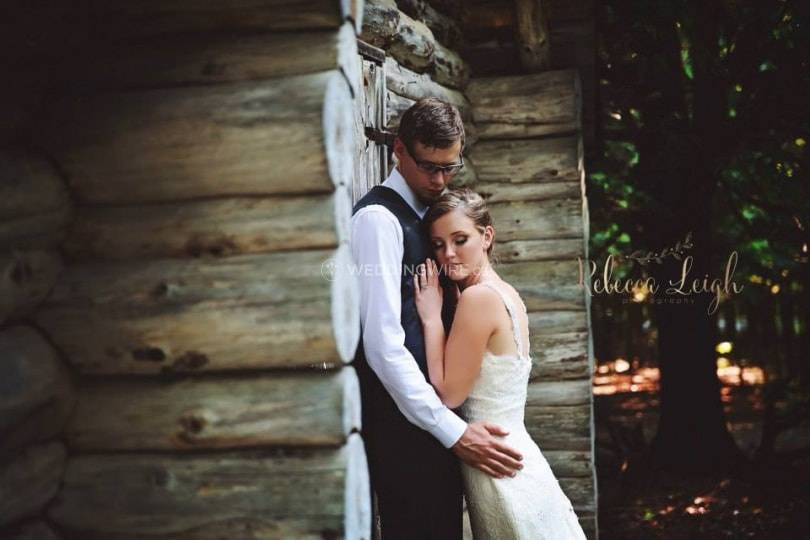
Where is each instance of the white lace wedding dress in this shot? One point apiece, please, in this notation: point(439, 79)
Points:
point(530, 505)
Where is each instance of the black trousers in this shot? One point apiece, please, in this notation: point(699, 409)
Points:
point(417, 481)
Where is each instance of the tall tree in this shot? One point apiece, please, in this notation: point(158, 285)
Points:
point(698, 97)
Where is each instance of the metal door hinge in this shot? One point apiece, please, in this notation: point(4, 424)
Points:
point(380, 136)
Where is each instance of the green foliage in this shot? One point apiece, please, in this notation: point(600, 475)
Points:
point(712, 88)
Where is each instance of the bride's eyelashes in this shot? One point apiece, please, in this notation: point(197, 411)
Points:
point(460, 241)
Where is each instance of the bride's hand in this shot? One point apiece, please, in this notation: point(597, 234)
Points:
point(428, 292)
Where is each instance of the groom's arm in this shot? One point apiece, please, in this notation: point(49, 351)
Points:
point(377, 246)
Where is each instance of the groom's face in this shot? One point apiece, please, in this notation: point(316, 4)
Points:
point(427, 186)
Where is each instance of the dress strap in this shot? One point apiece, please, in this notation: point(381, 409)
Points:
point(512, 315)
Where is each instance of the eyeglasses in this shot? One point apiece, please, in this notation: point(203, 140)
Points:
point(432, 168)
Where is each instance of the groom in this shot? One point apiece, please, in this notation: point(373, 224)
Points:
point(413, 442)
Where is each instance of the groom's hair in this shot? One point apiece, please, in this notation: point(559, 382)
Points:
point(432, 122)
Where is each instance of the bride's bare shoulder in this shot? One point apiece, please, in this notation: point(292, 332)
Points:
point(479, 290)
point(478, 295)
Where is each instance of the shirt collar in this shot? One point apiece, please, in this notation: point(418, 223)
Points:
point(397, 182)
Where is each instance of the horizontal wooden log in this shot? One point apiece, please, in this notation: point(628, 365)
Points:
point(554, 160)
point(444, 28)
point(37, 395)
point(559, 345)
point(283, 135)
point(413, 45)
point(526, 106)
point(162, 321)
point(380, 22)
point(40, 232)
point(29, 186)
point(467, 177)
point(31, 530)
point(495, 192)
point(396, 106)
point(537, 220)
point(410, 42)
point(470, 131)
point(35, 206)
point(449, 68)
point(30, 480)
point(546, 285)
point(219, 227)
point(559, 393)
point(257, 494)
point(296, 409)
point(281, 278)
point(126, 20)
point(540, 250)
point(582, 493)
point(26, 278)
point(570, 463)
point(194, 59)
point(407, 83)
point(559, 427)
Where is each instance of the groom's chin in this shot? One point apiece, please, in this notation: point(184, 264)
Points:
point(429, 200)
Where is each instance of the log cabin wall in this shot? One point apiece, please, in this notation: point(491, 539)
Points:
point(175, 206)
point(494, 43)
point(528, 121)
point(177, 175)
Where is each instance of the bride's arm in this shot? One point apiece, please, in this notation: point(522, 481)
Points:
point(454, 364)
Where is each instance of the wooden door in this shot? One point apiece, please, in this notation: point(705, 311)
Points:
point(371, 163)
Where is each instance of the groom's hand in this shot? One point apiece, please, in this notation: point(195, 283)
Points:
point(479, 448)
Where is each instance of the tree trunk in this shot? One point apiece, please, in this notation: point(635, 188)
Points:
point(692, 435)
point(788, 338)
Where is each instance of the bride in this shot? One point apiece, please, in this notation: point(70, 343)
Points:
point(483, 368)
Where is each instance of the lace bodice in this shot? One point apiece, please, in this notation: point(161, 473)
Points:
point(530, 505)
point(499, 392)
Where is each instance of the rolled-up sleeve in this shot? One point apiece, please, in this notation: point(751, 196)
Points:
point(377, 247)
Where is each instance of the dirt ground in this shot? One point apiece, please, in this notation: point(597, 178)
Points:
point(767, 502)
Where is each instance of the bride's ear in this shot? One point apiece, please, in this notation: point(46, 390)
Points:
point(489, 237)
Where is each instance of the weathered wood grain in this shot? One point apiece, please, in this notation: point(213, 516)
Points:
point(275, 136)
point(37, 393)
point(157, 318)
point(30, 480)
point(294, 409)
point(247, 494)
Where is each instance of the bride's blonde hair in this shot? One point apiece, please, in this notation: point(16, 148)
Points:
point(469, 202)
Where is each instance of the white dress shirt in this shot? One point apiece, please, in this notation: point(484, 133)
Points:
point(378, 246)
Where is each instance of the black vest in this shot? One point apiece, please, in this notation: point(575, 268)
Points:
point(407, 463)
point(376, 401)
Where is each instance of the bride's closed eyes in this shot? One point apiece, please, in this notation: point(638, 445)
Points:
point(460, 241)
